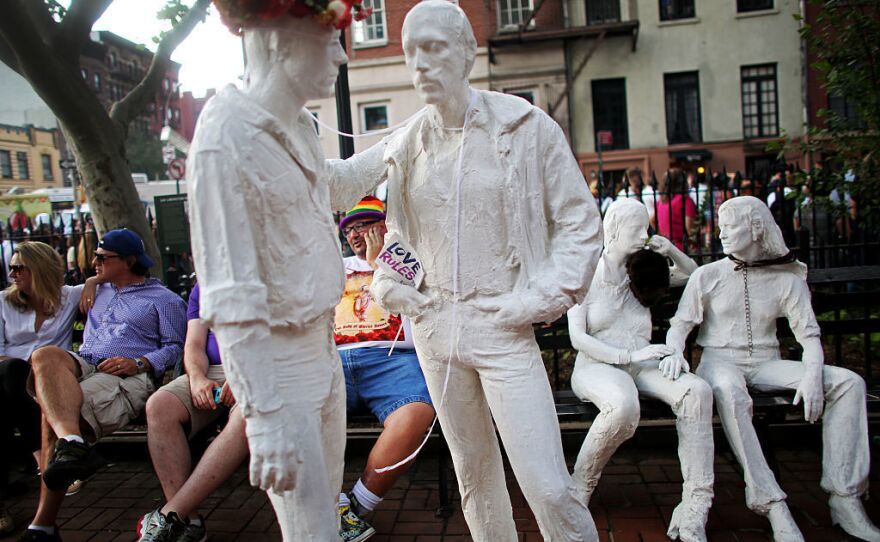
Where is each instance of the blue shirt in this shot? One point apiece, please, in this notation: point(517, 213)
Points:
point(146, 320)
point(212, 349)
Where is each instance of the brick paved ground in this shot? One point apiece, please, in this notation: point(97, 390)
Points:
point(633, 502)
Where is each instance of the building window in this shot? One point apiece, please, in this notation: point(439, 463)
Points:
point(845, 115)
point(609, 111)
point(513, 13)
point(317, 126)
point(671, 10)
point(5, 165)
point(48, 176)
point(371, 31)
point(112, 59)
point(24, 171)
point(374, 117)
point(760, 115)
point(682, 107)
point(85, 73)
point(603, 11)
point(527, 95)
point(743, 6)
point(97, 80)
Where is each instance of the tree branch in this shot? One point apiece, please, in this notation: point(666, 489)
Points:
point(77, 24)
point(129, 107)
point(7, 55)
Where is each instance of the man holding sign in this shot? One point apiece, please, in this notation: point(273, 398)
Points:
point(381, 369)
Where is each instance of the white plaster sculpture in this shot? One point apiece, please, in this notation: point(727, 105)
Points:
point(616, 362)
point(269, 263)
point(485, 189)
point(736, 302)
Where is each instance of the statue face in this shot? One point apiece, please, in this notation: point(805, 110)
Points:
point(632, 234)
point(736, 234)
point(434, 58)
point(311, 61)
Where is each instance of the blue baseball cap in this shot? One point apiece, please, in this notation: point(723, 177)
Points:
point(126, 243)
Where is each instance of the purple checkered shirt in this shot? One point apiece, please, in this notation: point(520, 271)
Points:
point(138, 320)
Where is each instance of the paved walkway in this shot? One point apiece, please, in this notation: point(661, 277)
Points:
point(633, 502)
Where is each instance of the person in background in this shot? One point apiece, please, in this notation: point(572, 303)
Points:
point(37, 310)
point(676, 212)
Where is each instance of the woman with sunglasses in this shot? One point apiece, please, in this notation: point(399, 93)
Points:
point(36, 310)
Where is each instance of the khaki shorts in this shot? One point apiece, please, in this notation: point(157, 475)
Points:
point(109, 402)
point(198, 418)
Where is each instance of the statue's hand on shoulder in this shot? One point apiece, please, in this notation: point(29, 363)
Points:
point(275, 457)
point(652, 351)
point(673, 365)
point(810, 390)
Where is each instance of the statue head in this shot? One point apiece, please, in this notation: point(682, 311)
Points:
point(748, 230)
point(439, 48)
point(625, 226)
point(296, 56)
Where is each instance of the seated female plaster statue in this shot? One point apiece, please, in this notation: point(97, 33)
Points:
point(616, 362)
point(268, 255)
point(736, 302)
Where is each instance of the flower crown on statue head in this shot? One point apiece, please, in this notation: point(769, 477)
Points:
point(238, 14)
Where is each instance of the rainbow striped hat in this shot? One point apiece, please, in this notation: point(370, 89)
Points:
point(369, 207)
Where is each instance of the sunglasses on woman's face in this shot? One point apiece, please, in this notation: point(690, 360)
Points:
point(17, 268)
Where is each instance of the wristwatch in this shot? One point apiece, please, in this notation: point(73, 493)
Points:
point(139, 363)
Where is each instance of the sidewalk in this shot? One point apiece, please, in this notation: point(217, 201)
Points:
point(633, 502)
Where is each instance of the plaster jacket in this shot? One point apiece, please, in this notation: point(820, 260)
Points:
point(550, 224)
point(269, 251)
point(715, 299)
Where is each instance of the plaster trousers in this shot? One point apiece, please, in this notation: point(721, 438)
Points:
point(845, 453)
point(309, 376)
point(499, 374)
point(615, 391)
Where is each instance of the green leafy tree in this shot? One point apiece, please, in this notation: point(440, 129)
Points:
point(42, 41)
point(845, 39)
point(145, 156)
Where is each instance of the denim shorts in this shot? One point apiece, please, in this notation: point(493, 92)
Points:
point(381, 383)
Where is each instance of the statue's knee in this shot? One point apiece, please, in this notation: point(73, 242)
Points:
point(701, 393)
point(624, 417)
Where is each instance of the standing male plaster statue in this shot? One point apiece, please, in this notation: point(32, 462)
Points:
point(616, 362)
point(485, 188)
point(736, 302)
point(268, 257)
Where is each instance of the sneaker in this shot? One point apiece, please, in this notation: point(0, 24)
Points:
point(71, 461)
point(74, 488)
point(157, 527)
point(6, 523)
point(351, 527)
point(194, 533)
point(32, 535)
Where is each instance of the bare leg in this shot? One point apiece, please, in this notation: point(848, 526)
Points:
point(166, 438)
point(404, 430)
point(50, 501)
point(58, 392)
point(220, 460)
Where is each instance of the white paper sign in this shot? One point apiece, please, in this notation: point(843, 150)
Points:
point(401, 261)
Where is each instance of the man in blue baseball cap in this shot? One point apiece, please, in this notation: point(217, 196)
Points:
point(134, 333)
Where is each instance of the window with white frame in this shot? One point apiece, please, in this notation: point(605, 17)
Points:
point(372, 30)
point(513, 13)
point(374, 117)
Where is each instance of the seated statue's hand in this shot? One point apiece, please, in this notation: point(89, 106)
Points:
point(660, 244)
point(811, 392)
point(275, 457)
point(652, 351)
point(673, 365)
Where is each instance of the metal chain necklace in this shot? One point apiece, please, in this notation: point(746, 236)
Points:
point(745, 271)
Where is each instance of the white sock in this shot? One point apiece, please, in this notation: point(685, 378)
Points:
point(73, 438)
point(47, 530)
point(366, 498)
point(343, 500)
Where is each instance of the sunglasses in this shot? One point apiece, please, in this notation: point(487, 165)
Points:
point(17, 268)
point(101, 257)
point(360, 228)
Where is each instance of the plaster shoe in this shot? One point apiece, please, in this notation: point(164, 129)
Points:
point(688, 522)
point(782, 523)
point(849, 513)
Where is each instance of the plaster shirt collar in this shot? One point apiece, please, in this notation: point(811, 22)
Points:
point(308, 156)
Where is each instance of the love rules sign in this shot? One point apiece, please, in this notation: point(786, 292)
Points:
point(401, 261)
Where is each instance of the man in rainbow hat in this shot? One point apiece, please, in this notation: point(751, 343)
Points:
point(381, 369)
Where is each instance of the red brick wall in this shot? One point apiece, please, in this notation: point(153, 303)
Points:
point(481, 13)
